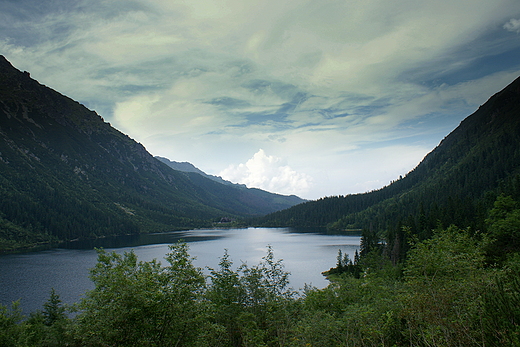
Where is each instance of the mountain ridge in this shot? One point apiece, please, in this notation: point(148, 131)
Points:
point(189, 167)
point(279, 201)
point(456, 183)
point(65, 173)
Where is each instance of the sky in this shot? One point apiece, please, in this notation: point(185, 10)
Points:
point(313, 98)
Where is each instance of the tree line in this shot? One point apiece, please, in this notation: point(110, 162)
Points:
point(459, 287)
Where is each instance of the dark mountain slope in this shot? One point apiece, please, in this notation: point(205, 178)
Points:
point(65, 173)
point(455, 183)
point(264, 201)
point(187, 167)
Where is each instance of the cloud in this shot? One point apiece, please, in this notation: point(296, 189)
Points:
point(269, 173)
point(513, 25)
point(312, 81)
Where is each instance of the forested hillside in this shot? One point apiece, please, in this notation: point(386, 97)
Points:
point(457, 288)
point(455, 184)
point(265, 202)
point(439, 262)
point(65, 173)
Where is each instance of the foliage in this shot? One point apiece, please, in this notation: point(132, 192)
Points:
point(445, 295)
point(53, 312)
point(351, 312)
point(504, 229)
point(10, 328)
point(345, 265)
point(502, 306)
point(445, 281)
point(445, 292)
point(142, 303)
point(49, 327)
point(254, 305)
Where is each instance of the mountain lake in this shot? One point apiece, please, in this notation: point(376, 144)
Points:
point(29, 277)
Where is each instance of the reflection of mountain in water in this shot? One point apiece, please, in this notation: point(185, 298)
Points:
point(138, 240)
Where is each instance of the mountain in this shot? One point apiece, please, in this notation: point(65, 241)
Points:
point(189, 167)
point(65, 173)
point(456, 183)
point(184, 166)
point(271, 201)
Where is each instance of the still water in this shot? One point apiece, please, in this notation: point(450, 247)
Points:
point(30, 276)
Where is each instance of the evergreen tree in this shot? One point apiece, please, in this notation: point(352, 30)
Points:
point(53, 310)
point(369, 241)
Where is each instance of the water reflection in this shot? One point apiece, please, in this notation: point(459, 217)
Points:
point(138, 240)
point(305, 254)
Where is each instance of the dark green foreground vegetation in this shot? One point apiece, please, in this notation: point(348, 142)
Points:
point(458, 288)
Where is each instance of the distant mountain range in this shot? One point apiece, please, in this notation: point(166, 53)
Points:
point(65, 173)
point(456, 183)
point(189, 167)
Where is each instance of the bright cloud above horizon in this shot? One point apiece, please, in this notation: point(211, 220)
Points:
point(313, 98)
point(270, 173)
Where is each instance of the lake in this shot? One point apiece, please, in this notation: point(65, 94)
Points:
point(30, 276)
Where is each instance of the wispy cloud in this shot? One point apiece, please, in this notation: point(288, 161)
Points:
point(308, 81)
point(513, 25)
